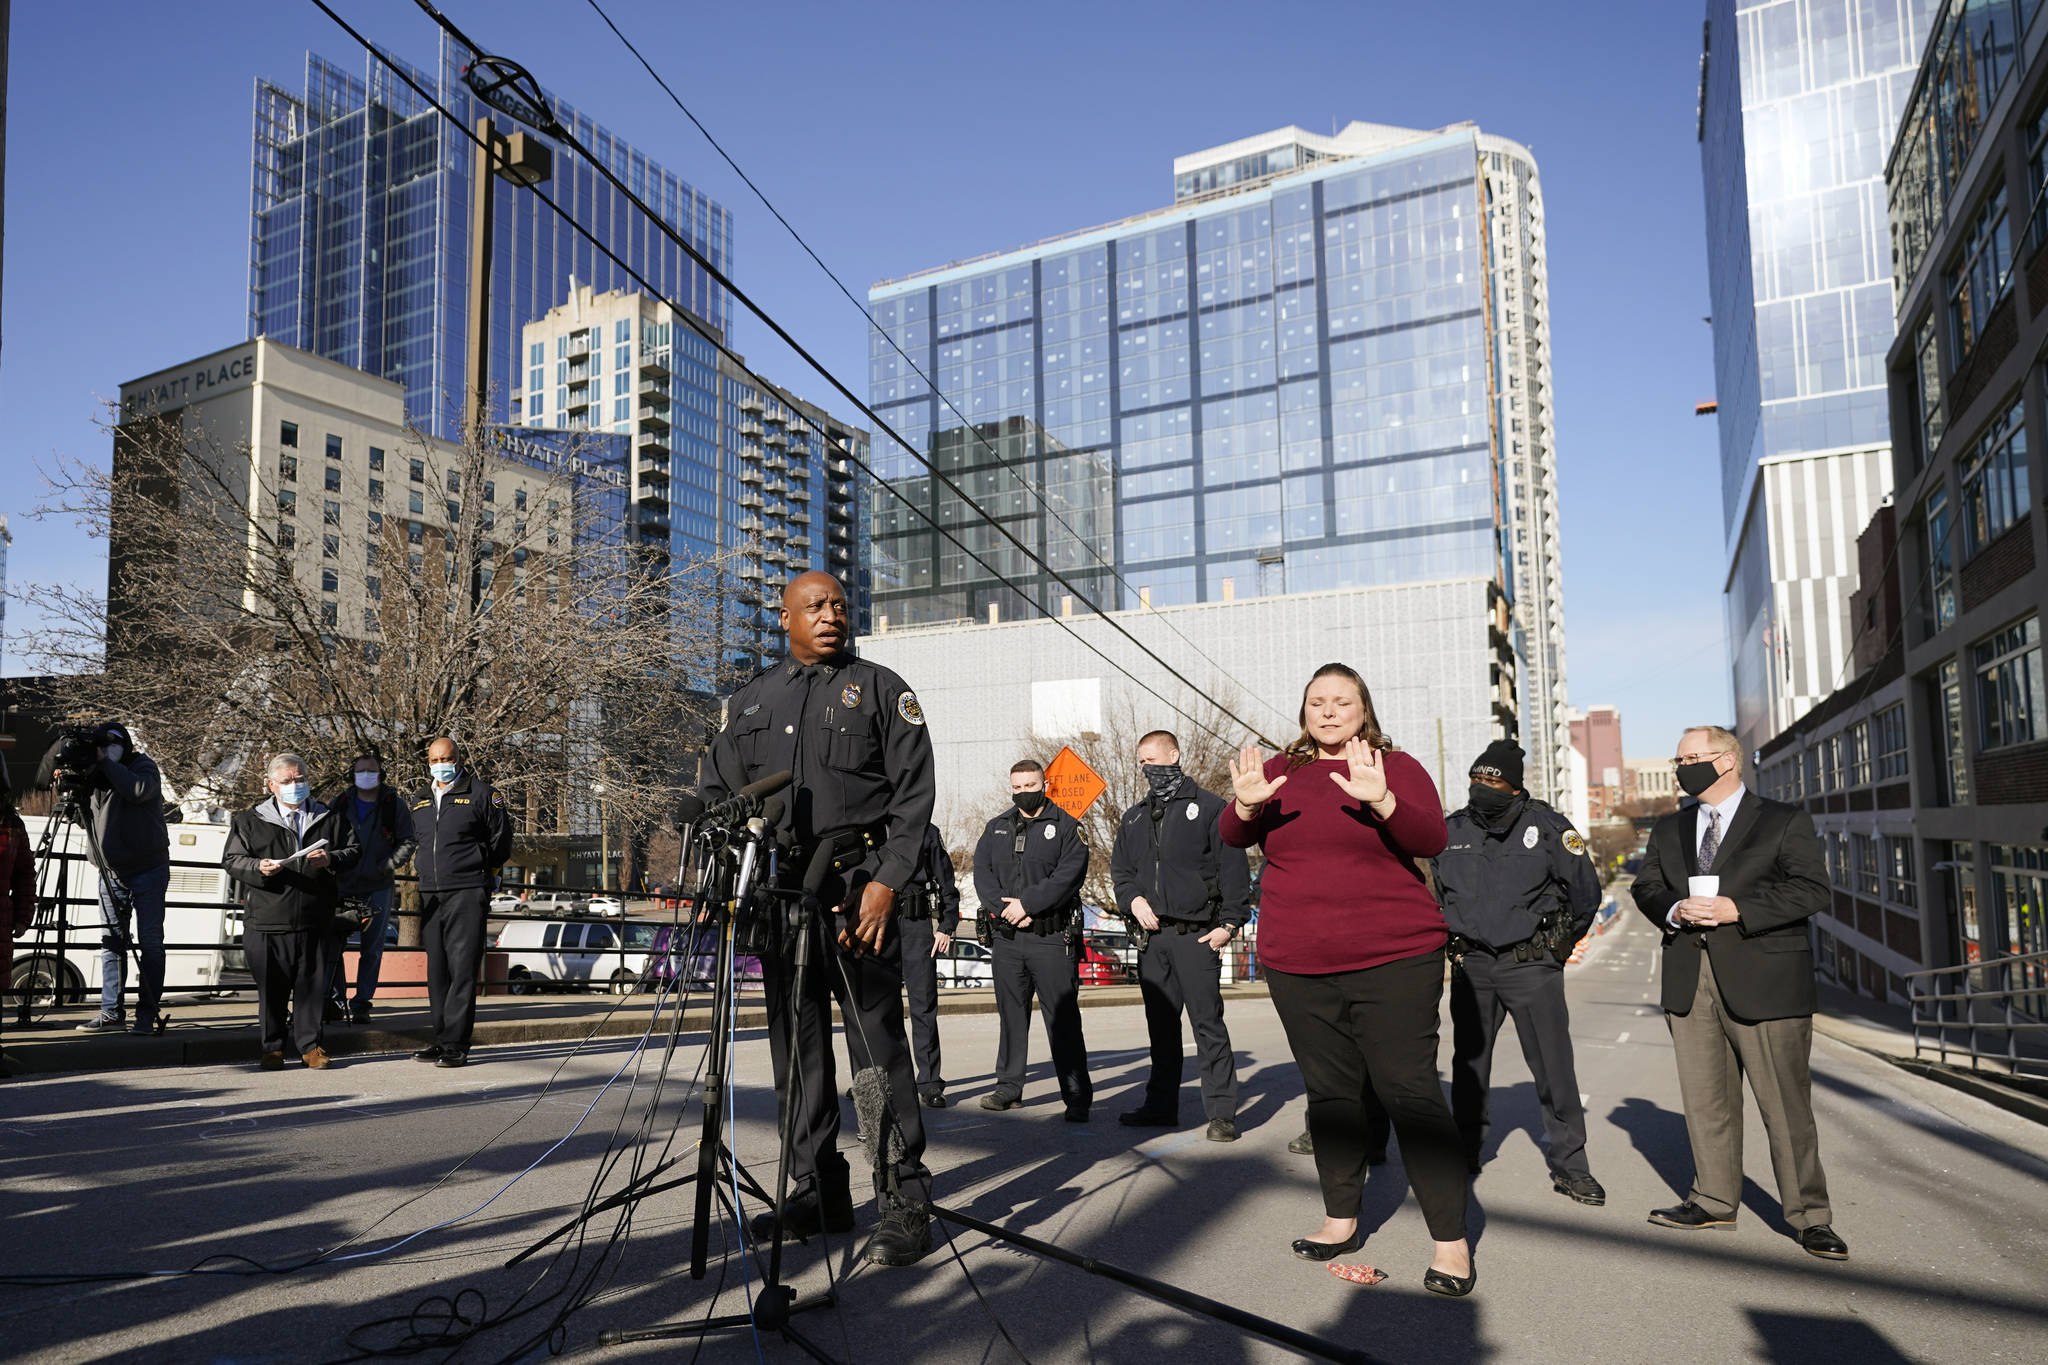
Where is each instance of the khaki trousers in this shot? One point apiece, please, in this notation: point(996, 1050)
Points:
point(1714, 1050)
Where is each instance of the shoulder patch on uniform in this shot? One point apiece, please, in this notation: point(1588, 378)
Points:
point(1080, 831)
point(497, 797)
point(907, 707)
point(1573, 843)
point(850, 695)
point(1530, 836)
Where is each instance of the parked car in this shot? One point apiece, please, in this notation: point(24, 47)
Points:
point(545, 903)
point(507, 903)
point(1100, 967)
point(967, 963)
point(606, 905)
point(699, 957)
point(1117, 943)
point(573, 955)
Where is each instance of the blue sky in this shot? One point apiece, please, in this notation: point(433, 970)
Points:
point(900, 136)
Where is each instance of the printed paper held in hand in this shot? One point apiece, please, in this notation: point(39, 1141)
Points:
point(317, 843)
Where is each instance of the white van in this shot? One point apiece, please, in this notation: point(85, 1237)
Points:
point(62, 966)
point(555, 954)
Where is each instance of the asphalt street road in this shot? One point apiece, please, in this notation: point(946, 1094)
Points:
point(1941, 1197)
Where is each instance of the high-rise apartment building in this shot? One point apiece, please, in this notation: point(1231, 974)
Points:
point(1326, 366)
point(721, 466)
point(1798, 103)
point(359, 233)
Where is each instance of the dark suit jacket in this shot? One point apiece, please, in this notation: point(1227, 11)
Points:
point(1771, 866)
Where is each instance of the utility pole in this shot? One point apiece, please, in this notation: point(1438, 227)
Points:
point(525, 162)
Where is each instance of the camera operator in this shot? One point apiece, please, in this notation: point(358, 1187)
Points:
point(1184, 892)
point(854, 736)
point(928, 920)
point(290, 851)
point(384, 831)
point(131, 848)
point(1028, 870)
point(17, 888)
point(1518, 889)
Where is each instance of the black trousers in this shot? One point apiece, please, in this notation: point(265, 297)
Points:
point(1372, 1034)
point(1040, 963)
point(290, 968)
point(1486, 989)
point(921, 993)
point(1179, 972)
point(869, 988)
point(452, 931)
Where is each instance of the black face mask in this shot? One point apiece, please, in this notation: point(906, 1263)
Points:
point(1490, 803)
point(1029, 802)
point(1695, 778)
point(1162, 778)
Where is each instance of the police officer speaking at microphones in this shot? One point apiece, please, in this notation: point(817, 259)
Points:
point(928, 915)
point(1028, 870)
point(854, 736)
point(1518, 890)
point(1184, 893)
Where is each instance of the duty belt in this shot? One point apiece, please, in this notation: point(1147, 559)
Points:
point(1044, 926)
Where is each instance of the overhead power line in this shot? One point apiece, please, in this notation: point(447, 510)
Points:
point(702, 329)
point(1037, 493)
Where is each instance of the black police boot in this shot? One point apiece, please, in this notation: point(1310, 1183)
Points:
point(1583, 1188)
point(1303, 1145)
point(934, 1099)
point(904, 1236)
point(805, 1214)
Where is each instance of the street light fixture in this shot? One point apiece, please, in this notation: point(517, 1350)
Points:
point(523, 161)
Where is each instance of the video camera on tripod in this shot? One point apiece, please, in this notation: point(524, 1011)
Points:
point(70, 766)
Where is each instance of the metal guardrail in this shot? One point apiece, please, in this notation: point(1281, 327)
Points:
point(1980, 1008)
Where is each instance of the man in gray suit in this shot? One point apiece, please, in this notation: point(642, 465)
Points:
point(1738, 983)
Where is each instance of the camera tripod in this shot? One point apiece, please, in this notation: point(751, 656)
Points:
point(733, 885)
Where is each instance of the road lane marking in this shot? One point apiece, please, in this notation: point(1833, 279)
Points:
point(1623, 1038)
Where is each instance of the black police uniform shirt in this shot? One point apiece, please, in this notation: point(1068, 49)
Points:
point(1496, 887)
point(463, 837)
point(935, 868)
point(1046, 877)
point(854, 736)
point(1173, 860)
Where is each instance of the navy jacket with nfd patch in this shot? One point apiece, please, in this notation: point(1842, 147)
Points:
point(463, 839)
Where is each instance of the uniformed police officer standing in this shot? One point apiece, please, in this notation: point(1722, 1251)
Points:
point(1184, 891)
point(928, 922)
point(464, 836)
point(854, 736)
point(1028, 871)
point(1518, 890)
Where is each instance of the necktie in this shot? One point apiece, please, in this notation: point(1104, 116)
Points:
point(1710, 845)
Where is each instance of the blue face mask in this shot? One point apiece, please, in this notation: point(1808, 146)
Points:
point(443, 772)
point(292, 793)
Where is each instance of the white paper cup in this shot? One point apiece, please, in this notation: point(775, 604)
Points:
point(1708, 887)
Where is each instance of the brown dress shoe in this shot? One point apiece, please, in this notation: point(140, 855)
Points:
point(316, 1057)
point(272, 1061)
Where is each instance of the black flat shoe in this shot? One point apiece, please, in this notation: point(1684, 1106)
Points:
point(1326, 1251)
point(1449, 1285)
point(1821, 1240)
point(1689, 1216)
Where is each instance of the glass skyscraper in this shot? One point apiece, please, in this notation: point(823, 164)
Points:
point(1326, 366)
point(359, 234)
point(1799, 101)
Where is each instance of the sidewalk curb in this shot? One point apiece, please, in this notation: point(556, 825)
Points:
point(1987, 1088)
point(34, 1055)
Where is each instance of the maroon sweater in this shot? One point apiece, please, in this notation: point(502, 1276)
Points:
point(1341, 891)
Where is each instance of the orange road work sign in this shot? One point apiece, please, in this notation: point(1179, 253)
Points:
point(1072, 785)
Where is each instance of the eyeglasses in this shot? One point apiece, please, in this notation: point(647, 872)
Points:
point(1699, 758)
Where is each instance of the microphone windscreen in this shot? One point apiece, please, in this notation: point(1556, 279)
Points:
point(871, 1107)
point(771, 814)
point(768, 785)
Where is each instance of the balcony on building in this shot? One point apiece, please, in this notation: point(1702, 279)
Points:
point(799, 469)
point(653, 392)
point(652, 467)
point(653, 363)
point(752, 403)
point(777, 486)
point(651, 443)
point(579, 344)
point(775, 530)
point(653, 520)
point(775, 436)
point(751, 474)
point(800, 493)
point(750, 499)
point(652, 420)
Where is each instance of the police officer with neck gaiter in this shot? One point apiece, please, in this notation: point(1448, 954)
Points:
point(1518, 890)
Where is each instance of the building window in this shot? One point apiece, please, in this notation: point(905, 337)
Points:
point(370, 553)
point(330, 512)
point(2010, 706)
point(1838, 859)
point(1899, 886)
point(377, 457)
point(415, 533)
point(622, 330)
point(333, 446)
point(454, 511)
point(288, 435)
point(416, 503)
point(1930, 388)
point(287, 503)
point(535, 404)
point(1948, 729)
point(1992, 478)
point(330, 581)
point(537, 353)
point(1941, 562)
point(1831, 763)
point(1888, 742)
point(621, 409)
point(333, 480)
point(519, 499)
point(1864, 850)
point(376, 490)
point(330, 613)
point(288, 468)
point(1980, 275)
point(373, 588)
point(490, 491)
point(1810, 760)
point(2019, 886)
point(454, 481)
point(287, 538)
point(370, 620)
point(419, 471)
point(1856, 755)
point(376, 523)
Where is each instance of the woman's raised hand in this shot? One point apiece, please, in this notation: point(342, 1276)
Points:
point(1365, 775)
point(1248, 781)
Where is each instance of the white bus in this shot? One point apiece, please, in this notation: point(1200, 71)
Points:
point(201, 908)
